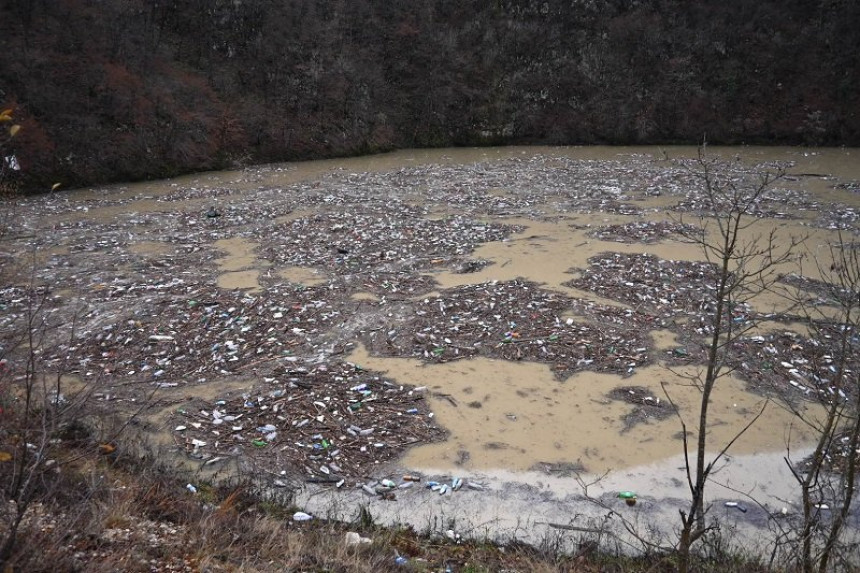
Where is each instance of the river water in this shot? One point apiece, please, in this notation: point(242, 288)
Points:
point(527, 416)
point(522, 415)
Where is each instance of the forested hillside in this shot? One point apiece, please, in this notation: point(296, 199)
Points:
point(128, 89)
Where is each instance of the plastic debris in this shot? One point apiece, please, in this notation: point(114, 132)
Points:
point(642, 231)
point(475, 320)
point(303, 415)
point(353, 538)
point(161, 321)
point(736, 505)
point(629, 497)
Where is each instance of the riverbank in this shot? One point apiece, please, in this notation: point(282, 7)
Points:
point(124, 513)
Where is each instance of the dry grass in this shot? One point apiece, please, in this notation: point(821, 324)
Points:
point(128, 513)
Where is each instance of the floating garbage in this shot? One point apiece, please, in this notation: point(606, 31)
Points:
point(151, 315)
point(656, 286)
point(642, 232)
point(303, 416)
point(629, 497)
point(736, 505)
point(475, 320)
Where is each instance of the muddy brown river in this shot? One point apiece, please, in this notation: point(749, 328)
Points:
point(507, 421)
point(526, 416)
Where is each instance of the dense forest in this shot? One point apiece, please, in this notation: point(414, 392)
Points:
point(109, 90)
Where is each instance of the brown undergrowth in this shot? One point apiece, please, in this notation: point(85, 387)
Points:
point(116, 511)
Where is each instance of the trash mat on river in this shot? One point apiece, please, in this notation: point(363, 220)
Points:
point(136, 274)
point(647, 232)
point(322, 424)
point(518, 320)
point(647, 406)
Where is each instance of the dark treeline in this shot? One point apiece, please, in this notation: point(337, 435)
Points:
point(129, 89)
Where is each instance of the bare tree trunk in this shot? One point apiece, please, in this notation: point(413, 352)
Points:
point(742, 269)
point(841, 283)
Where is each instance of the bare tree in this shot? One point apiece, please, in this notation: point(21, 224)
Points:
point(41, 413)
point(827, 477)
point(731, 198)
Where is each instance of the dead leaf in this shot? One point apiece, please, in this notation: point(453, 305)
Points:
point(107, 448)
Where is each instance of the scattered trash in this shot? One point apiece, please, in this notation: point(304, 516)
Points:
point(303, 417)
point(302, 516)
point(153, 316)
point(353, 538)
point(647, 406)
point(736, 505)
point(642, 232)
point(477, 320)
point(652, 285)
